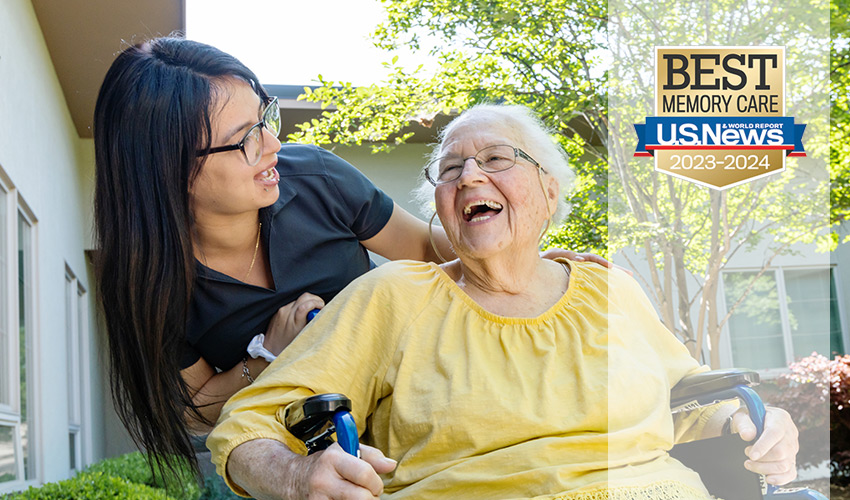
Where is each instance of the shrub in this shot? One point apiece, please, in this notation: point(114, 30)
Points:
point(131, 467)
point(804, 392)
point(839, 419)
point(92, 486)
point(125, 476)
point(134, 468)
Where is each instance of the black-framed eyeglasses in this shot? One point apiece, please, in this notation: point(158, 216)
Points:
point(252, 142)
point(491, 159)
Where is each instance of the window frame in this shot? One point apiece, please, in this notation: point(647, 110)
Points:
point(35, 448)
point(9, 414)
point(8, 301)
point(85, 378)
point(72, 367)
point(76, 324)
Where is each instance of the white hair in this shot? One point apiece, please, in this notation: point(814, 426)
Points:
point(532, 136)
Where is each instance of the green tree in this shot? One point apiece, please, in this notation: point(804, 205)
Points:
point(839, 143)
point(686, 233)
point(544, 54)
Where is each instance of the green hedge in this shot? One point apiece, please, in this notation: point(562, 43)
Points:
point(134, 468)
point(126, 476)
point(92, 486)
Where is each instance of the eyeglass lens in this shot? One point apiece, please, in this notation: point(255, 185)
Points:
point(253, 143)
point(489, 159)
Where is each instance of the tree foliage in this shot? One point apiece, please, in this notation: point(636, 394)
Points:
point(543, 54)
point(839, 144)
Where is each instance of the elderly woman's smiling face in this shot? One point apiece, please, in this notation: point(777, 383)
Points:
point(486, 213)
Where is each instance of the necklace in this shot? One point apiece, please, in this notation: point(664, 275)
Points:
point(256, 247)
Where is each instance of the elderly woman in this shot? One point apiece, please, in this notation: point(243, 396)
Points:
point(497, 375)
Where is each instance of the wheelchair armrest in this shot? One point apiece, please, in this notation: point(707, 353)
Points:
point(705, 384)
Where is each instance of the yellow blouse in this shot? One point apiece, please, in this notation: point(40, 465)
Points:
point(572, 404)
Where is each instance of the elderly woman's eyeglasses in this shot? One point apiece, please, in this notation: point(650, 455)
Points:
point(252, 142)
point(490, 159)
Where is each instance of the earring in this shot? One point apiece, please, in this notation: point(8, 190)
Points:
point(431, 238)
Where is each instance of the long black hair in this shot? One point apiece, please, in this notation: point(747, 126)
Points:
point(153, 115)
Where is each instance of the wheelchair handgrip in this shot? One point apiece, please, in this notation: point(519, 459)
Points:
point(346, 433)
point(754, 405)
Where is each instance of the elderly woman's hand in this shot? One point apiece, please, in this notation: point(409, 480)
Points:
point(268, 470)
point(333, 473)
point(774, 454)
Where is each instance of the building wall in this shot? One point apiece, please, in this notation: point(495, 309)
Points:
point(43, 161)
point(396, 173)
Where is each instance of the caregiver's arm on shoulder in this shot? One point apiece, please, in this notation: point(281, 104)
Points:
point(554, 253)
point(406, 237)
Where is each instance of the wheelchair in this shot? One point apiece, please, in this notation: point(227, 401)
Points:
point(723, 474)
point(315, 419)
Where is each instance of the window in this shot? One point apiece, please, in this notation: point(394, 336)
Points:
point(75, 326)
point(787, 314)
point(17, 411)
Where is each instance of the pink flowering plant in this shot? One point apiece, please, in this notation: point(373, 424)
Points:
point(816, 392)
point(839, 419)
point(804, 392)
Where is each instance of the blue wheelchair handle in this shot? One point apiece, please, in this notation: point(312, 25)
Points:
point(754, 405)
point(346, 433)
point(748, 396)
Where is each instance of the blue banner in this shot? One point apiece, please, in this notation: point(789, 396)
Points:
point(719, 132)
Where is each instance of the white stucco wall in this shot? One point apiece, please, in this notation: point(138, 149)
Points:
point(396, 173)
point(40, 153)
